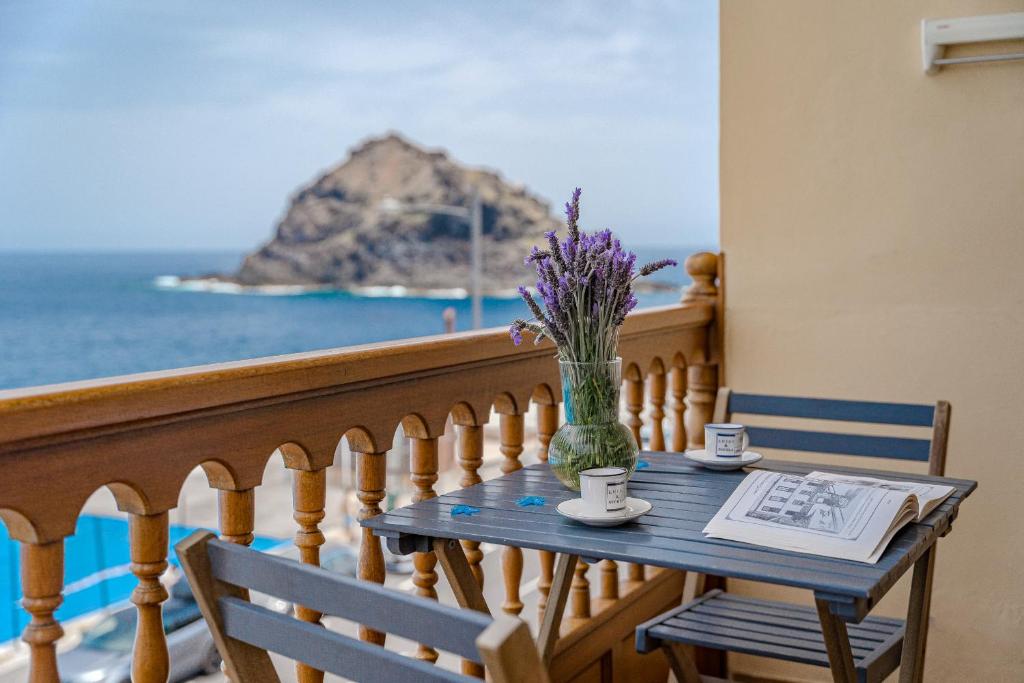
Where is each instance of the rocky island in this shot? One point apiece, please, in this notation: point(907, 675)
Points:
point(347, 229)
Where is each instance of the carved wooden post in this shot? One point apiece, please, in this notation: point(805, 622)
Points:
point(309, 497)
point(609, 580)
point(657, 389)
point(148, 539)
point(702, 385)
point(237, 513)
point(634, 405)
point(678, 409)
point(547, 425)
point(424, 476)
point(702, 379)
point(471, 457)
point(634, 401)
point(371, 474)
point(42, 579)
point(636, 576)
point(580, 593)
point(511, 557)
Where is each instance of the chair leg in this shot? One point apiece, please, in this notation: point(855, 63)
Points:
point(561, 582)
point(912, 658)
point(837, 643)
point(681, 664)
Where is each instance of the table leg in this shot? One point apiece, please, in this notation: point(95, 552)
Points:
point(467, 591)
point(557, 597)
point(912, 658)
point(837, 643)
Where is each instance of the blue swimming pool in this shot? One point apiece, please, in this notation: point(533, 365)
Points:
point(96, 570)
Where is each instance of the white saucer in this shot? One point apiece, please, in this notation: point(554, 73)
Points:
point(574, 510)
point(701, 457)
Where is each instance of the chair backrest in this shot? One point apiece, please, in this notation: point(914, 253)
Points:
point(932, 450)
point(221, 575)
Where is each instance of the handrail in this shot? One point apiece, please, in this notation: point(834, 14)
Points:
point(96, 428)
point(142, 435)
point(91, 404)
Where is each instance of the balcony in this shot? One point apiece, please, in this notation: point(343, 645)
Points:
point(141, 436)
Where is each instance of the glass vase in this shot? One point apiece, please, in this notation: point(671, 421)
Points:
point(592, 435)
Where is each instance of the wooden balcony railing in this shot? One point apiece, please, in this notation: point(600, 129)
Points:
point(140, 436)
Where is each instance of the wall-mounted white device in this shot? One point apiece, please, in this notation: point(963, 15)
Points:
point(936, 34)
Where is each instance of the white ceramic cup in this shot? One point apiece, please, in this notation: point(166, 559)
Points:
point(725, 440)
point(603, 489)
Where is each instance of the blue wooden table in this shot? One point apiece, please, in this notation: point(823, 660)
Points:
point(685, 498)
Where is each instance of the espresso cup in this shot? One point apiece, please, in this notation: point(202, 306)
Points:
point(725, 440)
point(603, 489)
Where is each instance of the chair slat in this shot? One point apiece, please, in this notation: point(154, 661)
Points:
point(374, 606)
point(323, 649)
point(895, 448)
point(908, 414)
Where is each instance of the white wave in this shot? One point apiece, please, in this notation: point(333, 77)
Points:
point(217, 286)
point(214, 286)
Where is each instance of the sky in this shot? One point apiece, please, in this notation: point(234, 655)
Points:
point(186, 125)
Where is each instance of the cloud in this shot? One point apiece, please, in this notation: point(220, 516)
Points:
point(193, 113)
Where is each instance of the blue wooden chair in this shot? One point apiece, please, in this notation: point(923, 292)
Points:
point(222, 574)
point(719, 620)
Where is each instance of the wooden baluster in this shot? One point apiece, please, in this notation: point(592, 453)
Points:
point(636, 576)
point(702, 379)
point(148, 542)
point(634, 405)
point(237, 513)
point(424, 476)
point(547, 425)
point(471, 457)
point(657, 414)
point(609, 580)
point(609, 586)
point(371, 474)
point(702, 385)
point(635, 402)
point(580, 593)
point(678, 409)
point(309, 497)
point(512, 429)
point(42, 579)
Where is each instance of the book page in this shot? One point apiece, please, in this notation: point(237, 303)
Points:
point(929, 496)
point(820, 516)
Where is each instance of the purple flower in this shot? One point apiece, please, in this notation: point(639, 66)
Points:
point(572, 215)
point(515, 331)
point(585, 290)
point(655, 266)
point(556, 250)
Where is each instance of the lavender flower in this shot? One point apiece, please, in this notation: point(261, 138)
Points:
point(572, 215)
point(655, 266)
point(515, 330)
point(586, 285)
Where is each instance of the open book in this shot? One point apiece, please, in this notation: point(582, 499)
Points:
point(843, 516)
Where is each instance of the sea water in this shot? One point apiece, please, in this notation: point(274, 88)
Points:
point(68, 316)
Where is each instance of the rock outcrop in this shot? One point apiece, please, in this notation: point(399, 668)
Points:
point(352, 227)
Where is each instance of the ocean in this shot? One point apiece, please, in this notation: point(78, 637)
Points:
point(67, 316)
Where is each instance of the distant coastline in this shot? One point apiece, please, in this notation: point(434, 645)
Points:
point(218, 285)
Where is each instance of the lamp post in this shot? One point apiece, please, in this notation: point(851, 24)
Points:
point(472, 215)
